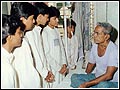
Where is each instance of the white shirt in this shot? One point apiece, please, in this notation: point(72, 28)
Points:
point(35, 42)
point(53, 48)
point(8, 74)
point(110, 58)
point(54, 52)
point(72, 49)
point(24, 65)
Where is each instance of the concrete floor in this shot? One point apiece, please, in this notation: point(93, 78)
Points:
point(67, 80)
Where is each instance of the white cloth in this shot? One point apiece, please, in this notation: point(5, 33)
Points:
point(35, 42)
point(110, 58)
point(24, 65)
point(54, 52)
point(72, 49)
point(77, 16)
point(8, 73)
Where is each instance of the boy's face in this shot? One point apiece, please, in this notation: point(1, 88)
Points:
point(16, 40)
point(29, 22)
point(42, 19)
point(53, 21)
point(70, 28)
point(57, 19)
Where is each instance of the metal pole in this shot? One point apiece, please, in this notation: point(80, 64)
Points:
point(65, 29)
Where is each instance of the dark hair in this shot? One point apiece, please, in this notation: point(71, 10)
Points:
point(53, 11)
point(10, 25)
point(57, 12)
point(23, 9)
point(42, 8)
point(70, 22)
point(113, 35)
point(15, 22)
point(5, 27)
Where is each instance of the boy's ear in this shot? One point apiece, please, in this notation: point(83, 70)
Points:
point(22, 18)
point(9, 37)
point(40, 15)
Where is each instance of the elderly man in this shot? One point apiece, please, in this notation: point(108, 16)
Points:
point(103, 56)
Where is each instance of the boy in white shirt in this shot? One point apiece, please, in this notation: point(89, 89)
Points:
point(72, 44)
point(53, 49)
point(36, 43)
point(24, 63)
point(12, 34)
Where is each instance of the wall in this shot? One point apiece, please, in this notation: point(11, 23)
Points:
point(4, 8)
point(107, 11)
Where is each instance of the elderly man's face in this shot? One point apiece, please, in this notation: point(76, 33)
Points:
point(98, 35)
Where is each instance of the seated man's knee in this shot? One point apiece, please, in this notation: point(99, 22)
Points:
point(76, 80)
point(74, 76)
point(103, 85)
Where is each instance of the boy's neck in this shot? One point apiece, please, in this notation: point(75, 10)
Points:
point(7, 47)
point(51, 26)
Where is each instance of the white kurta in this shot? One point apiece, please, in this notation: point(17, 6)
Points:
point(8, 73)
point(54, 52)
point(24, 65)
point(35, 42)
point(72, 49)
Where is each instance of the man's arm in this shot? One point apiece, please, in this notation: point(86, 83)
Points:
point(106, 76)
point(90, 67)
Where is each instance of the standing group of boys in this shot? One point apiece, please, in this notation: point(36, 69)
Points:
point(32, 56)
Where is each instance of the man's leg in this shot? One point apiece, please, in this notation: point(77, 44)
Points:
point(77, 79)
point(107, 84)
